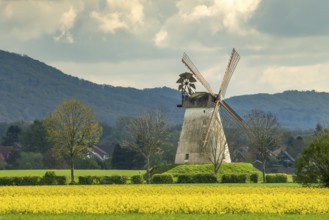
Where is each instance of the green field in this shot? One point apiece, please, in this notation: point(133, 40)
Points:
point(164, 217)
point(10, 173)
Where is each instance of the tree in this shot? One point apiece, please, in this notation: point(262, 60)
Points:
point(73, 129)
point(215, 146)
point(312, 167)
point(35, 139)
point(30, 160)
point(266, 135)
point(12, 135)
point(125, 159)
point(146, 134)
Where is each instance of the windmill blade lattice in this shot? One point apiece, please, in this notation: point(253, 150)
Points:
point(189, 64)
point(237, 118)
point(234, 59)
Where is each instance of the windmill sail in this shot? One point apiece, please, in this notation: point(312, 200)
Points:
point(189, 64)
point(234, 59)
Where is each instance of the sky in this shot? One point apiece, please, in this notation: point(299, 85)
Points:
point(283, 44)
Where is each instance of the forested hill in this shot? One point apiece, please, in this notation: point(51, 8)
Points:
point(294, 109)
point(30, 89)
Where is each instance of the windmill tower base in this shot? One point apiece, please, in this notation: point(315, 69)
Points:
point(191, 138)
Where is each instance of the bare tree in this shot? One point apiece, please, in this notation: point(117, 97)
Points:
point(146, 133)
point(266, 134)
point(214, 149)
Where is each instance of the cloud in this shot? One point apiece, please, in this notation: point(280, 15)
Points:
point(66, 23)
point(29, 20)
point(126, 15)
point(222, 14)
point(283, 44)
point(160, 37)
point(305, 77)
point(291, 19)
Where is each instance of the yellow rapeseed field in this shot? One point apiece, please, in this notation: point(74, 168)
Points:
point(162, 199)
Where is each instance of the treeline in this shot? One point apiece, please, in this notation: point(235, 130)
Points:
point(27, 146)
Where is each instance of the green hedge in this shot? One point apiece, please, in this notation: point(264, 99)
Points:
point(276, 178)
point(234, 178)
point(197, 178)
point(254, 178)
point(137, 179)
point(162, 179)
point(115, 179)
point(204, 178)
point(86, 180)
point(185, 179)
point(20, 181)
point(49, 178)
point(61, 180)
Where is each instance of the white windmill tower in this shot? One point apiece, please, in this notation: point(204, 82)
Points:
point(202, 133)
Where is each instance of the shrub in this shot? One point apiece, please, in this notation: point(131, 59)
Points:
point(204, 178)
point(234, 178)
point(61, 180)
point(116, 179)
point(119, 179)
point(312, 165)
point(49, 178)
point(20, 181)
point(296, 180)
point(162, 179)
point(6, 181)
point(276, 178)
point(254, 178)
point(86, 180)
point(106, 180)
point(185, 179)
point(137, 179)
point(29, 181)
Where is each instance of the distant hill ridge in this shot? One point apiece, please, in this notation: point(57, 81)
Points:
point(30, 89)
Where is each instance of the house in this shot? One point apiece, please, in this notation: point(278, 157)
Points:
point(285, 159)
point(99, 153)
point(5, 151)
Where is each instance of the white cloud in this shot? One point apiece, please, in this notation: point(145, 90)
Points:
point(160, 37)
point(296, 77)
point(127, 15)
point(29, 20)
point(66, 23)
point(228, 14)
point(115, 40)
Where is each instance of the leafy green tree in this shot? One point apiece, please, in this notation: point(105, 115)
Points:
point(126, 159)
point(35, 138)
point(12, 135)
point(13, 158)
point(54, 159)
point(73, 128)
point(312, 167)
point(87, 162)
point(146, 135)
point(30, 160)
point(266, 135)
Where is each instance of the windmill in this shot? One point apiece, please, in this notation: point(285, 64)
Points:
point(202, 124)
